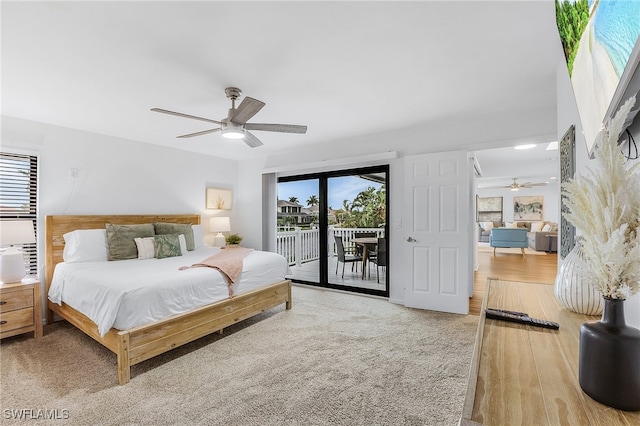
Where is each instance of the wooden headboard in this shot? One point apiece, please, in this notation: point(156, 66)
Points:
point(57, 226)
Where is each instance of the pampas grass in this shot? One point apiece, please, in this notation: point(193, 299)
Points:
point(604, 206)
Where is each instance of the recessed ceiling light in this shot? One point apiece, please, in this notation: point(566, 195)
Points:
point(553, 177)
point(526, 146)
point(552, 146)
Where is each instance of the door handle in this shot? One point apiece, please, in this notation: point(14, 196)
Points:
point(411, 240)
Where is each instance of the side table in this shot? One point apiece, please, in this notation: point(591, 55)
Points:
point(21, 308)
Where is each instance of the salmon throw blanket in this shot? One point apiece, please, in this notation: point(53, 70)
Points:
point(228, 261)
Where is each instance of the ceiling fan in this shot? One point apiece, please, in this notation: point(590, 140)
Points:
point(235, 125)
point(516, 186)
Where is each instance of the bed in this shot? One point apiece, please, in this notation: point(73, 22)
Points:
point(141, 342)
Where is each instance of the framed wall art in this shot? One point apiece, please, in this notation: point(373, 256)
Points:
point(218, 199)
point(488, 209)
point(528, 208)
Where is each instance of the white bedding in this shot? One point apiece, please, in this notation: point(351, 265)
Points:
point(128, 293)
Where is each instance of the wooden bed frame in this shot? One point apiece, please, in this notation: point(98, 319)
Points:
point(141, 343)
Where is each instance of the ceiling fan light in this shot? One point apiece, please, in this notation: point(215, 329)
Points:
point(514, 189)
point(233, 133)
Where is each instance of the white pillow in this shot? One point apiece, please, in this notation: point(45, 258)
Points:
point(85, 245)
point(486, 226)
point(147, 247)
point(546, 228)
point(512, 224)
point(537, 226)
point(198, 235)
point(183, 243)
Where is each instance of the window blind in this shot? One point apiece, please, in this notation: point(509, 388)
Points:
point(18, 196)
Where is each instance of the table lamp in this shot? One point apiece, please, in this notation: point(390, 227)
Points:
point(219, 225)
point(12, 265)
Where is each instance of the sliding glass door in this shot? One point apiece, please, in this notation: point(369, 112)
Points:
point(332, 227)
point(298, 231)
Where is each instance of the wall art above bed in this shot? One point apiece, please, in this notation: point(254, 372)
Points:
point(219, 199)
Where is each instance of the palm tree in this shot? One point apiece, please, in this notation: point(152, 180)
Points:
point(313, 201)
point(293, 199)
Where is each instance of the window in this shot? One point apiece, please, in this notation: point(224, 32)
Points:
point(18, 195)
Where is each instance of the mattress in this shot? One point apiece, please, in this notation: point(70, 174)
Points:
point(129, 293)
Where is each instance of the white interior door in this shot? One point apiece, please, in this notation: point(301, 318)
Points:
point(437, 232)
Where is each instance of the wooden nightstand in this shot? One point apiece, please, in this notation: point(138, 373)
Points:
point(21, 308)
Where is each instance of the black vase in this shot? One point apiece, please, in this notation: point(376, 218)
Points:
point(609, 365)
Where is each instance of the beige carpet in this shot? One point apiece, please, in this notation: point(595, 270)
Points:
point(484, 247)
point(334, 359)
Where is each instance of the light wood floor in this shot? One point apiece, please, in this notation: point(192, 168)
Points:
point(513, 267)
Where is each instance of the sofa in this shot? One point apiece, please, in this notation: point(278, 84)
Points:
point(543, 236)
point(540, 241)
point(508, 237)
point(484, 228)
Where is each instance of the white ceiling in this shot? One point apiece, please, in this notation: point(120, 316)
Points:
point(345, 69)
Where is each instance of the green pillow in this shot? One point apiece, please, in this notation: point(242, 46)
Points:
point(163, 228)
point(121, 239)
point(167, 245)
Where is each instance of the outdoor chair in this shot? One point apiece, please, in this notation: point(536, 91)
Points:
point(344, 257)
point(379, 257)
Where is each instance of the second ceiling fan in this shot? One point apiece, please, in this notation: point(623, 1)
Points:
point(235, 125)
point(516, 186)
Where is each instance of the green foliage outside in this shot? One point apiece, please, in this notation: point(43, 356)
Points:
point(572, 18)
point(367, 210)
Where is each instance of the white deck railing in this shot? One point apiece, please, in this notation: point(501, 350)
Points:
point(300, 246)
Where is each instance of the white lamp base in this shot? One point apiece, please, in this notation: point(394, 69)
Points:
point(12, 268)
point(220, 240)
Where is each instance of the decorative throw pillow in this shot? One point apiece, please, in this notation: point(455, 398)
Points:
point(163, 228)
point(146, 248)
point(512, 224)
point(167, 245)
point(121, 239)
point(486, 226)
point(546, 228)
point(537, 226)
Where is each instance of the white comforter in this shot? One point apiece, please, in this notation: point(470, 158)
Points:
point(128, 293)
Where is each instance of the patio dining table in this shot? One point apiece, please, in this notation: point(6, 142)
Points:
point(367, 243)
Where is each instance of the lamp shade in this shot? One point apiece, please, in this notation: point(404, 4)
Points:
point(16, 232)
point(219, 224)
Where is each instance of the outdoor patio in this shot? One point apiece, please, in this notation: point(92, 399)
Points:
point(309, 271)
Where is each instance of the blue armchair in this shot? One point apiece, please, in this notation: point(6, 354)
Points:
point(508, 237)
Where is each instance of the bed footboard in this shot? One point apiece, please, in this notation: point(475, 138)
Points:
point(141, 343)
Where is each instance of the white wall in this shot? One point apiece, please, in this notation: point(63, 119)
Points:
point(568, 115)
point(115, 176)
point(551, 194)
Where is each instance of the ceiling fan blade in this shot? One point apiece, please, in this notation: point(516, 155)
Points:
point(247, 109)
point(205, 132)
point(251, 140)
point(179, 114)
point(283, 128)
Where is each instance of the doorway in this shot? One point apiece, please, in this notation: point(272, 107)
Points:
point(332, 228)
